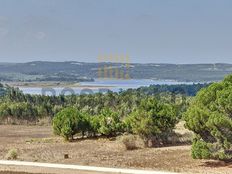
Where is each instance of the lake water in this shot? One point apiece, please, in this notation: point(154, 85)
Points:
point(99, 85)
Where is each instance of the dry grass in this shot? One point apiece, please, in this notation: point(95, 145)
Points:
point(37, 143)
point(8, 172)
point(12, 154)
point(131, 142)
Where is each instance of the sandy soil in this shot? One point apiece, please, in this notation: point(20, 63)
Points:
point(34, 170)
point(37, 143)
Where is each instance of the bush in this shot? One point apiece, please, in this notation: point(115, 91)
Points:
point(200, 150)
point(130, 142)
point(152, 119)
point(110, 123)
point(210, 118)
point(69, 122)
point(94, 122)
point(12, 154)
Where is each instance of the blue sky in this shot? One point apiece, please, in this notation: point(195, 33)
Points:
point(159, 31)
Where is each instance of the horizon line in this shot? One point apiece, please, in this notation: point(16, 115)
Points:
point(160, 63)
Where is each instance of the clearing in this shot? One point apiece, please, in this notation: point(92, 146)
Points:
point(38, 144)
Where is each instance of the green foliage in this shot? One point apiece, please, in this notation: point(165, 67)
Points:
point(200, 150)
point(152, 119)
point(188, 90)
point(68, 122)
point(12, 154)
point(108, 114)
point(18, 111)
point(210, 118)
point(110, 123)
point(141, 123)
point(123, 102)
point(94, 125)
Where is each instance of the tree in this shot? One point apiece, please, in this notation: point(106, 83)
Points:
point(141, 123)
point(94, 125)
point(68, 122)
point(210, 118)
point(152, 119)
point(110, 123)
point(4, 111)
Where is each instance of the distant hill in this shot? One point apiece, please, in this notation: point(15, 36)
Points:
point(80, 71)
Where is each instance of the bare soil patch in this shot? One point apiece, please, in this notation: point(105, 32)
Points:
point(37, 143)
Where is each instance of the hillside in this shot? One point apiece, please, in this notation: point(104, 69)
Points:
point(80, 71)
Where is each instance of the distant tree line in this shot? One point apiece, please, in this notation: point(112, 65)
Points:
point(15, 106)
point(184, 89)
point(141, 111)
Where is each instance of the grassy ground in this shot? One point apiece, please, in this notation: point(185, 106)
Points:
point(37, 143)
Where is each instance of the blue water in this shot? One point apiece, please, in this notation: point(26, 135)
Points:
point(102, 86)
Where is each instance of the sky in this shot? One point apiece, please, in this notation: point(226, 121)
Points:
point(148, 31)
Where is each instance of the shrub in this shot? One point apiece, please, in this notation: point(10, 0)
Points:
point(200, 150)
point(69, 122)
point(129, 141)
point(152, 119)
point(94, 122)
point(12, 154)
point(110, 123)
point(210, 118)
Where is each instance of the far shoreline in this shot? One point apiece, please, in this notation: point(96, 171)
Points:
point(54, 85)
point(60, 84)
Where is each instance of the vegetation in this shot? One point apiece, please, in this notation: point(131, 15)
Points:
point(129, 142)
point(210, 118)
point(152, 119)
point(80, 71)
point(12, 154)
point(188, 90)
point(67, 123)
point(16, 107)
point(150, 112)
